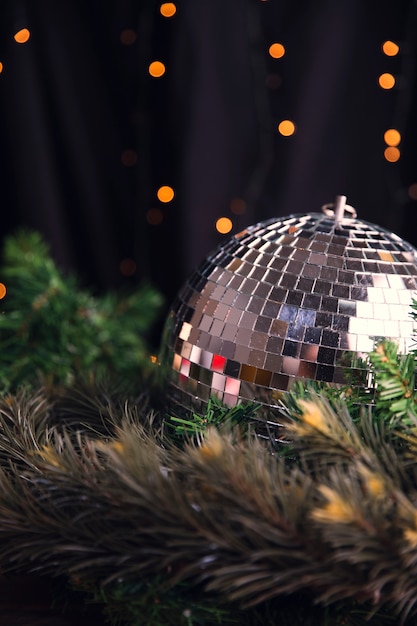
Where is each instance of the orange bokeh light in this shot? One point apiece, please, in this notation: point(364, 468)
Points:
point(386, 81)
point(286, 128)
point(392, 154)
point(128, 36)
point(224, 225)
point(156, 69)
point(168, 9)
point(165, 193)
point(392, 137)
point(154, 217)
point(276, 50)
point(22, 35)
point(129, 157)
point(390, 48)
point(127, 267)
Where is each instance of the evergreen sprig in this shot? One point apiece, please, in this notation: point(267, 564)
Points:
point(222, 517)
point(53, 332)
point(216, 414)
point(394, 381)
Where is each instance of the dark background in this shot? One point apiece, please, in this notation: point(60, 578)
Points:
point(87, 136)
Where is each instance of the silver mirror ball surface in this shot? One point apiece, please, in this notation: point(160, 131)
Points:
point(301, 297)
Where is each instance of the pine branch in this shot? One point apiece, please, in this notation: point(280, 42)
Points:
point(223, 515)
point(54, 333)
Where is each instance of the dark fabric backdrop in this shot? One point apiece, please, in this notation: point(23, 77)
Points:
point(74, 98)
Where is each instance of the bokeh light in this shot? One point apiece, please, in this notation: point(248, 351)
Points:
point(128, 36)
point(224, 225)
point(390, 48)
point(128, 267)
point(154, 216)
point(286, 128)
point(412, 191)
point(168, 9)
point(165, 193)
point(273, 81)
point(1, 67)
point(392, 154)
point(156, 69)
point(238, 206)
point(22, 35)
point(276, 50)
point(3, 290)
point(392, 137)
point(129, 157)
point(386, 81)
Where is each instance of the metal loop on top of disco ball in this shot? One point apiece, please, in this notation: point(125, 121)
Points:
point(328, 209)
point(338, 208)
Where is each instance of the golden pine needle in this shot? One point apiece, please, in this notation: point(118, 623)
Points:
point(212, 445)
point(49, 455)
point(337, 510)
point(373, 483)
point(313, 416)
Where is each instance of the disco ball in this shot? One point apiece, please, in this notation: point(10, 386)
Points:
point(302, 297)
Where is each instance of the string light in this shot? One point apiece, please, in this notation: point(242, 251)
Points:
point(154, 217)
point(276, 50)
point(3, 290)
point(224, 225)
point(156, 69)
point(165, 193)
point(392, 137)
point(129, 157)
point(22, 35)
point(392, 154)
point(168, 9)
point(128, 36)
point(238, 206)
point(273, 81)
point(412, 191)
point(286, 128)
point(386, 81)
point(127, 267)
point(390, 48)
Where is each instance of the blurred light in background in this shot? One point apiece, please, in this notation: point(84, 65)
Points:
point(168, 9)
point(165, 193)
point(386, 81)
point(127, 267)
point(392, 154)
point(128, 36)
point(238, 206)
point(392, 137)
point(224, 225)
point(22, 35)
point(156, 69)
point(129, 157)
point(412, 191)
point(286, 128)
point(390, 48)
point(154, 217)
point(276, 50)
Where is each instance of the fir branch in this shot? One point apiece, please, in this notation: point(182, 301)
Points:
point(394, 381)
point(53, 332)
point(216, 414)
point(224, 515)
